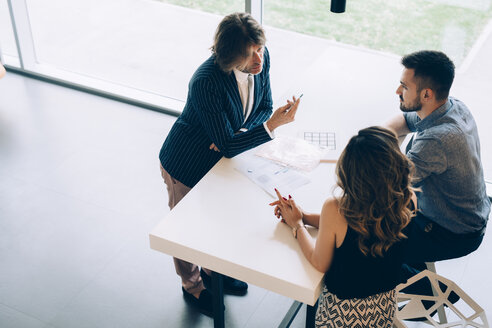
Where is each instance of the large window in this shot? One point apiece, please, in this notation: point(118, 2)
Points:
point(396, 26)
point(150, 49)
point(461, 29)
point(146, 50)
point(133, 43)
point(220, 7)
point(138, 49)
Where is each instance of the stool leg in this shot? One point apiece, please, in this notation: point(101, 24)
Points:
point(441, 313)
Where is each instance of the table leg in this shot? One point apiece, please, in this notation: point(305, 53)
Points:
point(218, 296)
point(290, 315)
point(310, 314)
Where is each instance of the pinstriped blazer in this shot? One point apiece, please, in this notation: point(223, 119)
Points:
point(214, 114)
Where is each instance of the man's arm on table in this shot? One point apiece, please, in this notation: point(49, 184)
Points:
point(399, 125)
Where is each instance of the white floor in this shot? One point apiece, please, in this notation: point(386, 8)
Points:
point(80, 190)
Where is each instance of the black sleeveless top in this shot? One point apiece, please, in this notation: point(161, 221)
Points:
point(354, 275)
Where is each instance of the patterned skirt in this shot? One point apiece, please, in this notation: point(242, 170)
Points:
point(373, 311)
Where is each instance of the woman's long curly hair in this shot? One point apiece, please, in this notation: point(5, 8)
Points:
point(374, 177)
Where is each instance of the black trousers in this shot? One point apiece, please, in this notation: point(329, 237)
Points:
point(429, 242)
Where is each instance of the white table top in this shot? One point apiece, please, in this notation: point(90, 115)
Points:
point(225, 224)
point(244, 238)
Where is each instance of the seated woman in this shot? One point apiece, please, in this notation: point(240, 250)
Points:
point(360, 240)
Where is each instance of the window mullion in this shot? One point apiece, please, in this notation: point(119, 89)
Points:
point(255, 8)
point(22, 33)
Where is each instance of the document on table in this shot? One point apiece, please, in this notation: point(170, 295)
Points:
point(269, 175)
point(293, 152)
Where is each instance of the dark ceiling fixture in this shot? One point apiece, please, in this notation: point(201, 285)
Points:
point(338, 6)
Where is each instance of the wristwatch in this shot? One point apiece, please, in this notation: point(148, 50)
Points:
point(297, 227)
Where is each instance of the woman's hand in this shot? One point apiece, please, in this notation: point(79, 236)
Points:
point(288, 210)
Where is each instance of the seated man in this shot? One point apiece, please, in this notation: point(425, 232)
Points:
point(453, 206)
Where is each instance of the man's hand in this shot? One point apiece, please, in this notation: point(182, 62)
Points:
point(284, 114)
point(214, 147)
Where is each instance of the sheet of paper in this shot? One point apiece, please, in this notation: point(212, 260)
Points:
point(269, 175)
point(293, 152)
point(327, 142)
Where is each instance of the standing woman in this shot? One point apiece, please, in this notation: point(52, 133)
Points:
point(360, 240)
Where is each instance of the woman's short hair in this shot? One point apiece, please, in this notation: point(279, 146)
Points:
point(374, 176)
point(234, 35)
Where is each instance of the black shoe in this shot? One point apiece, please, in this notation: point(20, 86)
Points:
point(204, 303)
point(453, 298)
point(421, 319)
point(231, 286)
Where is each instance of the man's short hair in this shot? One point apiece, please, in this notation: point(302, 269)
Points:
point(234, 35)
point(433, 70)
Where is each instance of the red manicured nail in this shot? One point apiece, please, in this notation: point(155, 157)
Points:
point(275, 189)
point(284, 198)
point(290, 196)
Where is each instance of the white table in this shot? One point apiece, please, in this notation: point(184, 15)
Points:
point(244, 239)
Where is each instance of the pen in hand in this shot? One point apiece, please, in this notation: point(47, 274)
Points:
point(302, 94)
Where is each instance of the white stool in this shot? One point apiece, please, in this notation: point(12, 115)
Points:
point(441, 313)
point(415, 309)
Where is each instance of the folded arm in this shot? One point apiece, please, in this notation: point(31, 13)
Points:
point(218, 127)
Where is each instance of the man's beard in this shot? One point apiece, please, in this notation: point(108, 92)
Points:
point(414, 108)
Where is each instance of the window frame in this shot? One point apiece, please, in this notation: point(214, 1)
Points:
point(29, 66)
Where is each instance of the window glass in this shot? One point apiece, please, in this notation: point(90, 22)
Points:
point(221, 7)
point(147, 45)
point(378, 32)
point(397, 26)
point(7, 39)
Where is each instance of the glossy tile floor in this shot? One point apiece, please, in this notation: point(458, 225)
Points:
point(79, 191)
